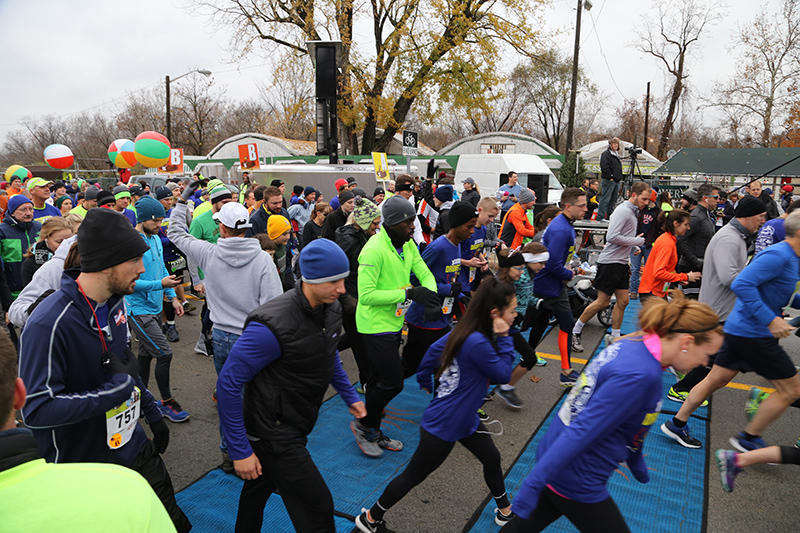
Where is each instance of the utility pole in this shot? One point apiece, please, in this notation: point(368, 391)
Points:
point(169, 117)
point(646, 115)
point(574, 90)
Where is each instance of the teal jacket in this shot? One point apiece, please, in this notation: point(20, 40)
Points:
point(383, 276)
point(15, 239)
point(148, 294)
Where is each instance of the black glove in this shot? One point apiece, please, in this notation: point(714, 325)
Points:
point(455, 288)
point(433, 310)
point(160, 435)
point(113, 365)
point(190, 189)
point(423, 295)
point(466, 299)
point(432, 168)
point(422, 246)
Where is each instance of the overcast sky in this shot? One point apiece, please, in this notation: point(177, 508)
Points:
point(66, 57)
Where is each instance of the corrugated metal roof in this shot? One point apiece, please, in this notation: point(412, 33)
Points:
point(779, 162)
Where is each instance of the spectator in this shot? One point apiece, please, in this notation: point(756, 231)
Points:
point(472, 193)
point(611, 174)
point(592, 202)
point(665, 201)
point(509, 194)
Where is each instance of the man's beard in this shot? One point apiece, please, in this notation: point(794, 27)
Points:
point(150, 231)
point(118, 286)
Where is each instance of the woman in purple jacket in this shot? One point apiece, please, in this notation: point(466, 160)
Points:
point(464, 362)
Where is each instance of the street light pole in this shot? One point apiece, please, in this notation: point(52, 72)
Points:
point(202, 71)
point(574, 90)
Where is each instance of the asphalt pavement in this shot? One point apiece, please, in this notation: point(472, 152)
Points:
point(764, 497)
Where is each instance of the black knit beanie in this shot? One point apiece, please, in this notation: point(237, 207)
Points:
point(106, 239)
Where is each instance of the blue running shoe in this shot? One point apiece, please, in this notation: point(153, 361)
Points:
point(172, 410)
point(569, 381)
point(728, 470)
point(680, 434)
point(743, 444)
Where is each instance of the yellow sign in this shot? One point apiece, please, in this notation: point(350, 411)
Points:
point(381, 166)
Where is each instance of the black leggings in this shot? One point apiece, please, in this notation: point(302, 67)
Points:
point(385, 375)
point(601, 517)
point(430, 454)
point(169, 311)
point(417, 343)
point(356, 344)
point(527, 353)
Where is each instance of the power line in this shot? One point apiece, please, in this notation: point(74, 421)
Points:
point(594, 23)
point(602, 53)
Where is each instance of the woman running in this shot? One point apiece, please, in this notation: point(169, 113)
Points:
point(519, 268)
point(464, 362)
point(659, 270)
point(606, 416)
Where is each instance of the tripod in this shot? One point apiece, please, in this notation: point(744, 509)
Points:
point(627, 181)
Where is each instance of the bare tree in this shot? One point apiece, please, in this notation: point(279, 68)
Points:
point(669, 34)
point(769, 68)
point(197, 110)
point(289, 99)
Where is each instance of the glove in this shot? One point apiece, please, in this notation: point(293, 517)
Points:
point(637, 466)
point(432, 168)
point(422, 246)
point(455, 288)
point(160, 435)
point(190, 190)
point(433, 310)
point(422, 295)
point(465, 299)
point(113, 365)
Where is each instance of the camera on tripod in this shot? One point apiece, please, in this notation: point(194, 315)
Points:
point(634, 150)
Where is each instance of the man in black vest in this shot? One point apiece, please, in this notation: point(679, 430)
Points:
point(284, 360)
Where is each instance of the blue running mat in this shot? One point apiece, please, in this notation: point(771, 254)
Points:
point(354, 479)
point(674, 499)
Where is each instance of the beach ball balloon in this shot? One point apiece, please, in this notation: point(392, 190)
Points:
point(58, 156)
point(120, 152)
point(151, 149)
point(17, 171)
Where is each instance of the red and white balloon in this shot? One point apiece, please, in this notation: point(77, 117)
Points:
point(59, 156)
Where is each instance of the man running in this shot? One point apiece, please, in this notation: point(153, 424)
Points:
point(613, 273)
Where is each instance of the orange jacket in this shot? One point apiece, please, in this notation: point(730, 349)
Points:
point(659, 270)
point(516, 227)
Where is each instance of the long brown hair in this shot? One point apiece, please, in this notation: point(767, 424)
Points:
point(492, 293)
point(681, 315)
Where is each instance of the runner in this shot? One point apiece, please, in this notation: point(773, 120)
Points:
point(18, 233)
point(477, 351)
point(284, 361)
point(84, 391)
point(443, 258)
point(550, 282)
point(613, 272)
point(731, 463)
point(752, 331)
point(595, 431)
point(384, 295)
point(474, 266)
point(518, 269)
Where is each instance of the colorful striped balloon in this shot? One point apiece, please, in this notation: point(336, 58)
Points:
point(151, 149)
point(18, 171)
point(120, 152)
point(59, 156)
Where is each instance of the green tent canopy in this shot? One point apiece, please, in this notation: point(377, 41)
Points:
point(756, 162)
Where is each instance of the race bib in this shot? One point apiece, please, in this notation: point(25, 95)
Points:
point(402, 308)
point(177, 264)
point(121, 421)
point(472, 272)
point(447, 305)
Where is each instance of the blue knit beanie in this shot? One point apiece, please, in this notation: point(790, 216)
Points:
point(309, 190)
point(322, 261)
point(148, 208)
point(444, 193)
point(16, 201)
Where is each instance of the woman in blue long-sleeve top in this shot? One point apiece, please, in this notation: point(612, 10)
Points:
point(478, 351)
point(594, 430)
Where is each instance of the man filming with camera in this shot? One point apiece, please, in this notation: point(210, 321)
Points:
point(611, 176)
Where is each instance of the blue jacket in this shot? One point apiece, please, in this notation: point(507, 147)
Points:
point(763, 289)
point(69, 392)
point(171, 252)
point(559, 239)
point(453, 412)
point(148, 294)
point(471, 248)
point(602, 422)
point(443, 259)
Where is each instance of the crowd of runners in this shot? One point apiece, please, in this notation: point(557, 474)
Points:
point(457, 293)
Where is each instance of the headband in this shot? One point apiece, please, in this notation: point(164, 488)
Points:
point(715, 326)
point(536, 258)
point(513, 259)
point(405, 186)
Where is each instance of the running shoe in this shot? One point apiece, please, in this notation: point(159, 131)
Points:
point(677, 374)
point(743, 444)
point(363, 524)
point(188, 307)
point(576, 343)
point(540, 361)
point(726, 462)
point(680, 434)
point(171, 332)
point(388, 444)
point(366, 438)
point(172, 410)
point(484, 417)
point(568, 381)
point(502, 519)
point(680, 397)
point(510, 397)
point(754, 398)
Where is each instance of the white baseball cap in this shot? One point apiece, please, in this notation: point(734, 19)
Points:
point(233, 215)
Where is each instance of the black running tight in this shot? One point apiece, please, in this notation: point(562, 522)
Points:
point(430, 454)
point(601, 517)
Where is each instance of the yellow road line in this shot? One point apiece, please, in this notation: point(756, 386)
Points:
point(732, 384)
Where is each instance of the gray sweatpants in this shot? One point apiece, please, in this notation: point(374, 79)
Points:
point(153, 344)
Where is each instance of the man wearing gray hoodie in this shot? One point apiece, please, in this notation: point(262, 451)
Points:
point(233, 257)
point(613, 271)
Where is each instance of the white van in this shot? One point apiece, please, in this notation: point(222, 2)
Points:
point(490, 171)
